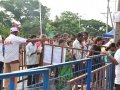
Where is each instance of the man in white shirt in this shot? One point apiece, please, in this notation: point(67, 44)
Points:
point(12, 43)
point(78, 54)
point(116, 60)
point(1, 59)
point(78, 45)
point(31, 58)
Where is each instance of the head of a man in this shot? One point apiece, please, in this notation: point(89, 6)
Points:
point(65, 35)
point(99, 41)
point(14, 31)
point(62, 42)
point(80, 37)
point(33, 37)
point(43, 36)
point(85, 35)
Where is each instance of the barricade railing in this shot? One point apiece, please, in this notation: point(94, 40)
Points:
point(36, 84)
point(65, 76)
point(22, 56)
point(101, 79)
point(84, 74)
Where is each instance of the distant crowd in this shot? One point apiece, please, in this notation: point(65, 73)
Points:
point(9, 50)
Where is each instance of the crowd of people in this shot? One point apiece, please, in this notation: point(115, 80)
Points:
point(9, 51)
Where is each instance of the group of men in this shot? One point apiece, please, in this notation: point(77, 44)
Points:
point(9, 53)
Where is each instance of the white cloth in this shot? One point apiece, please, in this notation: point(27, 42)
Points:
point(31, 59)
point(77, 53)
point(13, 29)
point(12, 48)
point(1, 50)
point(109, 42)
point(117, 67)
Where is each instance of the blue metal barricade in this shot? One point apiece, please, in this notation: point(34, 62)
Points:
point(97, 77)
point(84, 74)
point(44, 85)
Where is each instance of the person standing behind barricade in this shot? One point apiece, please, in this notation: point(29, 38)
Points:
point(78, 45)
point(31, 59)
point(116, 61)
point(12, 43)
point(1, 59)
point(56, 39)
point(111, 49)
point(65, 36)
point(78, 54)
point(96, 50)
point(97, 62)
point(40, 46)
point(87, 42)
point(64, 73)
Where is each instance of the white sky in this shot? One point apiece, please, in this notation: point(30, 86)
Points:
point(88, 9)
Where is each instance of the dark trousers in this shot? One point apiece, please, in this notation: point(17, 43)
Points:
point(31, 78)
point(1, 71)
point(117, 87)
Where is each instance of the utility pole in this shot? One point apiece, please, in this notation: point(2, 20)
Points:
point(40, 5)
point(117, 28)
point(107, 15)
point(80, 21)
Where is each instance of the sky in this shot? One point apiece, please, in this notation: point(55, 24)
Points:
point(87, 9)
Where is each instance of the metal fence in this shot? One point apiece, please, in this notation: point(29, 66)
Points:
point(22, 55)
point(84, 74)
point(34, 74)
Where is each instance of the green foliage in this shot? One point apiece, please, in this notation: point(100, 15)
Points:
point(27, 12)
point(94, 27)
point(30, 27)
point(4, 31)
point(71, 23)
point(67, 22)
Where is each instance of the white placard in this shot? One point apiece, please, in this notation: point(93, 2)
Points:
point(47, 54)
point(57, 52)
point(116, 17)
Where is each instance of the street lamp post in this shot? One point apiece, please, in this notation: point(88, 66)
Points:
point(107, 16)
point(40, 18)
point(80, 21)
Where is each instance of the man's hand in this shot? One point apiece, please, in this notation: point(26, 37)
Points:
point(106, 53)
point(33, 53)
point(0, 40)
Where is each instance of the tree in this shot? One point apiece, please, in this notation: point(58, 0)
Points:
point(71, 23)
point(67, 22)
point(26, 11)
point(4, 31)
point(94, 27)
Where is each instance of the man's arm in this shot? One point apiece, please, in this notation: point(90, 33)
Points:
point(112, 59)
point(36, 40)
point(0, 39)
point(32, 40)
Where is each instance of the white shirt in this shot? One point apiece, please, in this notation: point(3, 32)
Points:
point(78, 53)
point(31, 59)
point(117, 67)
point(1, 50)
point(12, 48)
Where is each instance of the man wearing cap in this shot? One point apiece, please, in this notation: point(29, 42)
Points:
point(12, 43)
point(1, 59)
